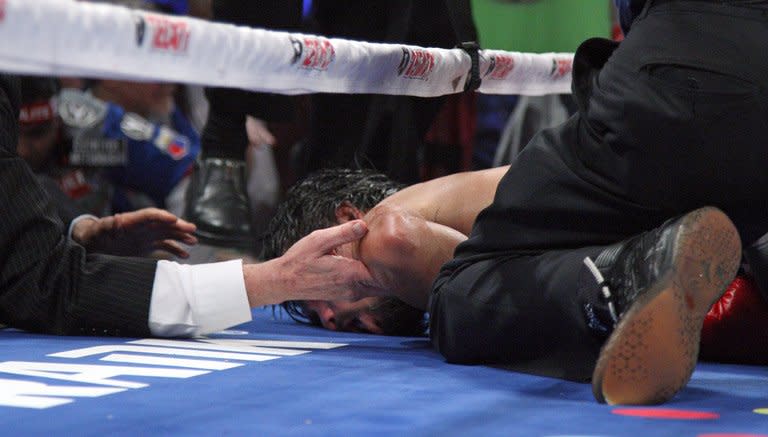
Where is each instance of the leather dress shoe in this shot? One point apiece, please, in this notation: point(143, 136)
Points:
point(217, 203)
point(658, 288)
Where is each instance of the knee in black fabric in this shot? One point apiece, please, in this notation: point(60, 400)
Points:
point(453, 336)
point(448, 330)
point(472, 320)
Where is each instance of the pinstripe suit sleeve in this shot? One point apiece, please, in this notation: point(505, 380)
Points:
point(47, 283)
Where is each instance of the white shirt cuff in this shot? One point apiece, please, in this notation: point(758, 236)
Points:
point(190, 300)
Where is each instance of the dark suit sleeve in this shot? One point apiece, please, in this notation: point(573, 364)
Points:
point(47, 283)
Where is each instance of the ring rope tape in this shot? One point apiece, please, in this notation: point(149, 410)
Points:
point(97, 40)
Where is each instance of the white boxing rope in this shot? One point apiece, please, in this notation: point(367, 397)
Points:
point(97, 40)
point(525, 73)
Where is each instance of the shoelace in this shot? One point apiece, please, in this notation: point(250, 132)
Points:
point(603, 286)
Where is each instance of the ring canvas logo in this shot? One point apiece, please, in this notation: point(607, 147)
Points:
point(416, 63)
point(312, 53)
point(500, 66)
point(139, 360)
point(162, 34)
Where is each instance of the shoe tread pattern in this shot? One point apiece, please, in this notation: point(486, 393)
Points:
point(653, 350)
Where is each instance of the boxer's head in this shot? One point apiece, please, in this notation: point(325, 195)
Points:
point(327, 198)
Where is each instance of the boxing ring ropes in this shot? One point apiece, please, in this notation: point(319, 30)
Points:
point(95, 40)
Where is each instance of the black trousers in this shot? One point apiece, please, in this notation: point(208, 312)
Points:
point(382, 132)
point(673, 118)
point(224, 135)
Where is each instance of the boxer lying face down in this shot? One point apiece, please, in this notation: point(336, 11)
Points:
point(412, 231)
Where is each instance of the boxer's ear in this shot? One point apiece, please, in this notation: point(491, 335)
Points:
point(346, 212)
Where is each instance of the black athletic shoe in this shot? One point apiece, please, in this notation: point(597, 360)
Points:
point(217, 202)
point(659, 286)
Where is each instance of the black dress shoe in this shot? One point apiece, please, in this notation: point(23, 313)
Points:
point(658, 287)
point(217, 202)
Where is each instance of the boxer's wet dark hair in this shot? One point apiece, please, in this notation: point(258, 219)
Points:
point(310, 205)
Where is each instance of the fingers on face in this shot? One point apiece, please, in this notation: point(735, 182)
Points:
point(326, 240)
point(355, 278)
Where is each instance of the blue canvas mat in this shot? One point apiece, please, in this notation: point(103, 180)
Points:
point(274, 377)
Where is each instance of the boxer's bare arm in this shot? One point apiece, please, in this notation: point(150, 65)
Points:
point(404, 252)
point(453, 200)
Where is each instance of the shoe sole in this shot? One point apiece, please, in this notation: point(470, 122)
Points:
point(654, 348)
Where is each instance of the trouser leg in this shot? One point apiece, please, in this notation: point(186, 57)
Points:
point(547, 334)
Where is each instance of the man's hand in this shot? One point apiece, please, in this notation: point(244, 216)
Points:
point(135, 233)
point(309, 270)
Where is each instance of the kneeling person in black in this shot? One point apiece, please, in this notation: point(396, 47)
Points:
point(670, 121)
